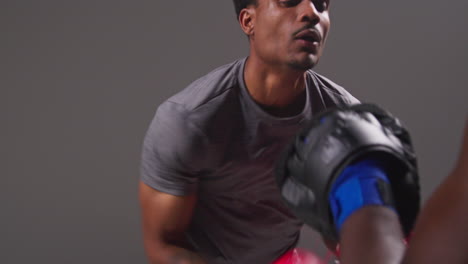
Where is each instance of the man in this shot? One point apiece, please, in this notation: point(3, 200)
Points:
point(207, 190)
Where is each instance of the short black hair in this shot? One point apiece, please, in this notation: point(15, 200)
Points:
point(241, 4)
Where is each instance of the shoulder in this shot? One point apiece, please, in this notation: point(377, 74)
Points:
point(171, 128)
point(170, 159)
point(183, 124)
point(210, 86)
point(333, 91)
point(210, 102)
point(172, 140)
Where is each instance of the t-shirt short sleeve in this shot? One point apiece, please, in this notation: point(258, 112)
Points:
point(169, 161)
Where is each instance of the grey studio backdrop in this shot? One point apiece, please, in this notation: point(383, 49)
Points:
point(80, 81)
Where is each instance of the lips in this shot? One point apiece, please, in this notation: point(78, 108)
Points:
point(309, 35)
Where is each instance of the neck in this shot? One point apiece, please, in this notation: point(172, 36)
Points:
point(279, 90)
point(271, 85)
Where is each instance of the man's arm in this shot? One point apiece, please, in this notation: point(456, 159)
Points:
point(441, 231)
point(165, 219)
point(372, 235)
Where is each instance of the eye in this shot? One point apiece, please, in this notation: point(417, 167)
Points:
point(321, 5)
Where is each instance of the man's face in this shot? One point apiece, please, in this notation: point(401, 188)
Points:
point(290, 32)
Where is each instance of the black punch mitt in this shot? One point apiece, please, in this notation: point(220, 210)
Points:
point(334, 139)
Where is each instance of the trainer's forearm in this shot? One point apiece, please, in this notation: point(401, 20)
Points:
point(372, 235)
point(440, 232)
point(168, 254)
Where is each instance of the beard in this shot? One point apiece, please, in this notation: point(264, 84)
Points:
point(305, 63)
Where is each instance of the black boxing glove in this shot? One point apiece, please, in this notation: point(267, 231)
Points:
point(335, 139)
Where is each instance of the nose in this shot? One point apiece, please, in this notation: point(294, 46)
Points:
point(308, 12)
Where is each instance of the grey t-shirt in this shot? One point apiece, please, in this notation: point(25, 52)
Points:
point(213, 139)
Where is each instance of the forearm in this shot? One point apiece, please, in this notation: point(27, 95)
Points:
point(372, 235)
point(440, 233)
point(170, 254)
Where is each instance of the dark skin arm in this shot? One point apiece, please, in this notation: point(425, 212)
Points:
point(372, 235)
point(441, 233)
point(165, 218)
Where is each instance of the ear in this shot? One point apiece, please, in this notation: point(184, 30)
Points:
point(247, 20)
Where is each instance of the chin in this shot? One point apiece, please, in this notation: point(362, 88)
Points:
point(304, 64)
